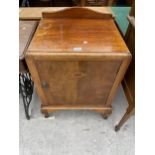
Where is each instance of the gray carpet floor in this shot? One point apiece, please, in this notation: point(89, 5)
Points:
point(76, 132)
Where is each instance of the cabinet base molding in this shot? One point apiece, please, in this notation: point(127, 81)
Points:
point(104, 111)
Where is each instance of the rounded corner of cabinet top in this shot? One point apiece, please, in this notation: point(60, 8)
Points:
point(27, 55)
point(128, 56)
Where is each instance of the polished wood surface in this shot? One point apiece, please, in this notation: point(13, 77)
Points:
point(77, 63)
point(129, 79)
point(61, 35)
point(78, 82)
point(76, 35)
point(77, 12)
point(129, 112)
point(26, 31)
point(36, 12)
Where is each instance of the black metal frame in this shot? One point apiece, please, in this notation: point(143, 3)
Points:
point(26, 89)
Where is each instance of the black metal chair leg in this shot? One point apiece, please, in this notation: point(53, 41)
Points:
point(26, 89)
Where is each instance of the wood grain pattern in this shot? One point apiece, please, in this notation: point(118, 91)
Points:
point(129, 112)
point(77, 83)
point(36, 12)
point(119, 78)
point(26, 31)
point(129, 79)
point(77, 12)
point(35, 77)
point(77, 63)
point(77, 36)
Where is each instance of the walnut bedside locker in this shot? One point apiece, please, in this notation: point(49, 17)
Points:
point(77, 59)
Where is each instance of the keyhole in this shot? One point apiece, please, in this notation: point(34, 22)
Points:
point(44, 85)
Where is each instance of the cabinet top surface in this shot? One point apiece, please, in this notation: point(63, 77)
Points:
point(77, 36)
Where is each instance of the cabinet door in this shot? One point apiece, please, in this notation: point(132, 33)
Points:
point(77, 83)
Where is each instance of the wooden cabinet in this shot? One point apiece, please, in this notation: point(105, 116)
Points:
point(77, 63)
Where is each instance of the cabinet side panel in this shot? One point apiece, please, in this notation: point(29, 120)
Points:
point(35, 77)
point(122, 70)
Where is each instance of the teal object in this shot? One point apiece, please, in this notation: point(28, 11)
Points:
point(121, 14)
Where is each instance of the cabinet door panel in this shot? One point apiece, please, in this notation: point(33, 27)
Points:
point(77, 83)
point(95, 87)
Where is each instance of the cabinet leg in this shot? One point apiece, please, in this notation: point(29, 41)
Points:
point(105, 114)
point(45, 113)
point(117, 128)
point(126, 116)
